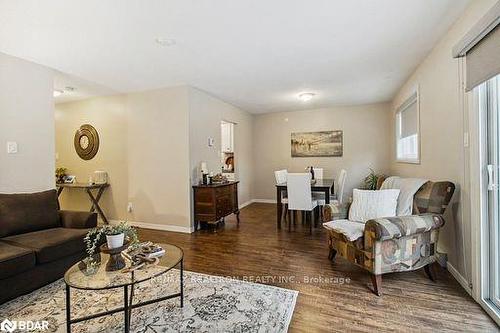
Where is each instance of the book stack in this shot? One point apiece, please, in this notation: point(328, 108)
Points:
point(144, 250)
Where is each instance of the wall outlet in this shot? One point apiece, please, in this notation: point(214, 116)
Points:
point(129, 207)
point(11, 147)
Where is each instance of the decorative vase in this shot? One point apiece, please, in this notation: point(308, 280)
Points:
point(115, 241)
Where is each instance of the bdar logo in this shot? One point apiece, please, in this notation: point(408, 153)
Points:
point(7, 326)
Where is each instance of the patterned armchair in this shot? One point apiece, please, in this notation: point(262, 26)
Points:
point(395, 244)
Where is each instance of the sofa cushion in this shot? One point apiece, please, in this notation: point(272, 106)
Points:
point(51, 244)
point(14, 260)
point(27, 212)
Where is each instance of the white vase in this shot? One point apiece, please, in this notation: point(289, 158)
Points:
point(115, 241)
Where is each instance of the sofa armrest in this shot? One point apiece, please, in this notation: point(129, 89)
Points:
point(335, 211)
point(78, 220)
point(396, 227)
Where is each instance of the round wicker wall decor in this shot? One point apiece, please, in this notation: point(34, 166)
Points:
point(86, 142)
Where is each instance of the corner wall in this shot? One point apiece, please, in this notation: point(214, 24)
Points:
point(205, 115)
point(144, 144)
point(26, 117)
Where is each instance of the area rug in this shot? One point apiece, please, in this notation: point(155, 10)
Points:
point(211, 304)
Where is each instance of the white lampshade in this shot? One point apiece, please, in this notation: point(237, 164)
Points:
point(203, 167)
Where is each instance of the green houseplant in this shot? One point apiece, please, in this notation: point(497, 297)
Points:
point(115, 236)
point(371, 180)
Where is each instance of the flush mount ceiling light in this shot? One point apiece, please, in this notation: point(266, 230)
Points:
point(58, 93)
point(165, 41)
point(306, 96)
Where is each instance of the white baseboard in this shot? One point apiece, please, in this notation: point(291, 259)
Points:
point(271, 201)
point(463, 282)
point(245, 204)
point(163, 227)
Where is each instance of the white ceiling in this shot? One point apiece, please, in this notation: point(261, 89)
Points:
point(256, 54)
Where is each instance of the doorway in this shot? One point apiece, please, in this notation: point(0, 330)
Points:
point(227, 149)
point(488, 105)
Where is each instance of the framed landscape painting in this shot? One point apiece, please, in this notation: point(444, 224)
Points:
point(317, 144)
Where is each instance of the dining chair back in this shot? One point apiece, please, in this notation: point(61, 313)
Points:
point(281, 176)
point(340, 185)
point(318, 173)
point(299, 192)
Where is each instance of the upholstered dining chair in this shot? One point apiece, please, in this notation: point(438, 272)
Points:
point(281, 177)
point(300, 196)
point(318, 173)
point(340, 184)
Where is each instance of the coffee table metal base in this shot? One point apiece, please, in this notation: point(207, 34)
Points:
point(127, 304)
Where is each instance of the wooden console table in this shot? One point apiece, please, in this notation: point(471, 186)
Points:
point(88, 188)
point(214, 202)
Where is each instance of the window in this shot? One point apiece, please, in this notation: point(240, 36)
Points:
point(407, 131)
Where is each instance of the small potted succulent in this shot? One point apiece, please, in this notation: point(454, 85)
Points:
point(115, 237)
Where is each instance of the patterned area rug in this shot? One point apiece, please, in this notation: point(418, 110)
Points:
point(211, 304)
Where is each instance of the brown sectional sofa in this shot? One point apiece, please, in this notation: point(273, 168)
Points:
point(38, 242)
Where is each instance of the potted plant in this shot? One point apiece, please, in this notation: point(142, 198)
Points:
point(115, 236)
point(371, 180)
point(60, 174)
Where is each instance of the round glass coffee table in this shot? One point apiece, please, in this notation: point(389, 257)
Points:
point(97, 278)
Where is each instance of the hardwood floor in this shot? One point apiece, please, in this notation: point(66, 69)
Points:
point(411, 302)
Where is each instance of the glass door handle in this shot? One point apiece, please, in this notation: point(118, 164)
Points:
point(491, 182)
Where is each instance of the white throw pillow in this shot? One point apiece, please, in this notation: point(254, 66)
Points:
point(367, 205)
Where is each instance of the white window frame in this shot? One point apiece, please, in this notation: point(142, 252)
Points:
point(414, 96)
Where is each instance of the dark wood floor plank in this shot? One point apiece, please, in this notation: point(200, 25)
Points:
point(411, 302)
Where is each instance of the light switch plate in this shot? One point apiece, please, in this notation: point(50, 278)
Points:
point(11, 147)
point(211, 142)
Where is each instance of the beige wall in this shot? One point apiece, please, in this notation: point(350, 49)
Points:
point(26, 117)
point(158, 159)
point(205, 115)
point(109, 117)
point(366, 140)
point(442, 127)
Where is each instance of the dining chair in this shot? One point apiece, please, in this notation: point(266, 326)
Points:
point(299, 195)
point(339, 189)
point(318, 173)
point(281, 177)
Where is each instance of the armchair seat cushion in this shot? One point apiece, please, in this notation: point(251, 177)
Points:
point(400, 226)
point(351, 230)
point(51, 244)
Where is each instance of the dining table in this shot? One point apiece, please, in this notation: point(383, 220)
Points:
point(325, 186)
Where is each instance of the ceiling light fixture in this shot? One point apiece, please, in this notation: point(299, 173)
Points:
point(58, 93)
point(165, 41)
point(306, 96)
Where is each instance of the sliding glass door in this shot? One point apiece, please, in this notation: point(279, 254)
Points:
point(489, 99)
